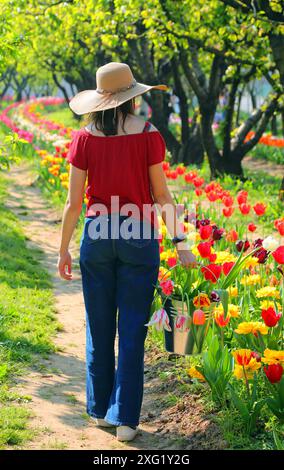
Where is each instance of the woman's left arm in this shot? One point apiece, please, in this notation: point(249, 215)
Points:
point(71, 214)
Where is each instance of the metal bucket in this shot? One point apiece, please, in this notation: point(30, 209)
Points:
point(176, 341)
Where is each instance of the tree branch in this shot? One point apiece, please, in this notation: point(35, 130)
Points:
point(199, 90)
point(260, 116)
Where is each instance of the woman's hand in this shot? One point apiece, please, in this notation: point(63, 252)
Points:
point(64, 265)
point(186, 257)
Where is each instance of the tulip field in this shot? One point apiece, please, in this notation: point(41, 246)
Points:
point(232, 304)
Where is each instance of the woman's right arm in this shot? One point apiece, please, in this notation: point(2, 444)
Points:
point(71, 214)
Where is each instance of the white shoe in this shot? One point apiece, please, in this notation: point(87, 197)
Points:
point(125, 433)
point(102, 423)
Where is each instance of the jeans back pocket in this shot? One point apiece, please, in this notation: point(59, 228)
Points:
point(136, 233)
point(94, 232)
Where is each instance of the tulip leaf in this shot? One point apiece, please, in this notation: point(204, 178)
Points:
point(224, 297)
point(278, 442)
point(239, 404)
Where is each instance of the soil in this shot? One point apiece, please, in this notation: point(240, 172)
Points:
point(57, 385)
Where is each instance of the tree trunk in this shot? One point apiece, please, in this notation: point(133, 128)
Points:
point(252, 97)
point(61, 87)
point(193, 151)
point(228, 123)
point(3, 92)
point(281, 191)
point(273, 124)
point(210, 147)
point(233, 164)
point(277, 46)
point(240, 95)
point(160, 120)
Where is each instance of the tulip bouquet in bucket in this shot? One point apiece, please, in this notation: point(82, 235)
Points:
point(187, 303)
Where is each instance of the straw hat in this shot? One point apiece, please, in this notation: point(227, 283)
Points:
point(115, 85)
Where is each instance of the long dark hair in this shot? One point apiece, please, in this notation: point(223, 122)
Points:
point(107, 121)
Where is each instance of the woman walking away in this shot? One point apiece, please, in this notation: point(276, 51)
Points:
point(121, 156)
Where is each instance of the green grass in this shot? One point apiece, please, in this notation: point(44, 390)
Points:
point(63, 115)
point(232, 429)
point(27, 321)
point(271, 154)
point(14, 429)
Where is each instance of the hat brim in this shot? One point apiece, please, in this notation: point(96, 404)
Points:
point(88, 101)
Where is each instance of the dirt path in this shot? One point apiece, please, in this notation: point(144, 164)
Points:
point(57, 387)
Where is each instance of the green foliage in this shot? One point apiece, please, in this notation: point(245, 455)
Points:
point(249, 408)
point(272, 154)
point(217, 366)
point(11, 146)
point(13, 426)
point(279, 441)
point(27, 321)
point(276, 402)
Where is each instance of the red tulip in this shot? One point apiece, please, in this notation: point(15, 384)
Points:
point(173, 175)
point(270, 317)
point(204, 249)
point(203, 222)
point(217, 233)
point(167, 286)
point(228, 211)
point(227, 267)
point(221, 321)
point(273, 372)
point(212, 272)
point(205, 231)
point(242, 245)
point(212, 257)
point(280, 228)
point(198, 317)
point(172, 262)
point(261, 255)
point(244, 208)
point(259, 208)
point(228, 201)
point(190, 176)
point(279, 225)
point(242, 197)
point(257, 242)
point(166, 166)
point(251, 227)
point(212, 196)
point(181, 170)
point(232, 236)
point(198, 182)
point(198, 191)
point(278, 255)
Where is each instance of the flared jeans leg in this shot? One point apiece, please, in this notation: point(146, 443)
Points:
point(99, 287)
point(135, 288)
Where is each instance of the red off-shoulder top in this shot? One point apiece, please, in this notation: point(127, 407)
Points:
point(118, 170)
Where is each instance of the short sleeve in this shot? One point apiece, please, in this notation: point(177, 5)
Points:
point(156, 148)
point(77, 153)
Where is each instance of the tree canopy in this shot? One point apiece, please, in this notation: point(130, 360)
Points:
point(198, 48)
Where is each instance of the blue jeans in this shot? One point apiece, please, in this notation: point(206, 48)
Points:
point(117, 275)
